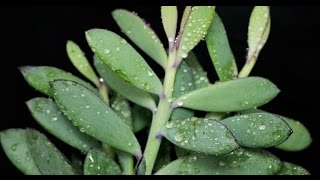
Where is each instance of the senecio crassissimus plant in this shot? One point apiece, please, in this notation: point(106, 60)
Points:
point(194, 126)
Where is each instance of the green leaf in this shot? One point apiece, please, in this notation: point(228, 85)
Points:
point(122, 107)
point(292, 169)
point(99, 163)
point(122, 59)
point(47, 157)
point(220, 51)
point(169, 16)
point(184, 19)
point(16, 146)
point(128, 91)
point(195, 28)
point(258, 130)
point(39, 77)
point(198, 73)
point(233, 95)
point(299, 139)
point(50, 117)
point(141, 34)
point(141, 118)
point(200, 135)
point(215, 115)
point(93, 116)
point(183, 84)
point(239, 162)
point(79, 60)
point(126, 162)
point(164, 156)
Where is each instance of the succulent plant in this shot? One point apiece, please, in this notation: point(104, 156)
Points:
point(194, 126)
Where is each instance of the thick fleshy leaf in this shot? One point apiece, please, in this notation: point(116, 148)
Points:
point(119, 85)
point(200, 135)
point(258, 130)
point(199, 75)
point(169, 16)
point(299, 139)
point(47, 157)
point(123, 59)
point(122, 107)
point(49, 116)
point(39, 77)
point(184, 19)
point(141, 117)
point(215, 115)
point(141, 34)
point(16, 146)
point(93, 116)
point(292, 169)
point(126, 162)
point(183, 84)
point(164, 155)
point(220, 51)
point(99, 163)
point(79, 60)
point(195, 28)
point(239, 162)
point(233, 95)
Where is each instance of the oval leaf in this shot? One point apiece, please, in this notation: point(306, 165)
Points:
point(47, 157)
point(169, 16)
point(220, 51)
point(200, 77)
point(50, 117)
point(39, 77)
point(122, 59)
point(292, 169)
point(128, 91)
point(94, 117)
point(78, 59)
point(233, 95)
point(239, 162)
point(200, 135)
point(258, 130)
point(195, 28)
point(16, 146)
point(141, 117)
point(299, 139)
point(141, 34)
point(99, 163)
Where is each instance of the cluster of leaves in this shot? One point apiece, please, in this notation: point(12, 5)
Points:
point(129, 97)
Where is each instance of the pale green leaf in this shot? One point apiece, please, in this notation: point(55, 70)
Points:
point(169, 16)
point(292, 169)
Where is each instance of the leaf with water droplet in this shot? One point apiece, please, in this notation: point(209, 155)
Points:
point(195, 28)
point(50, 117)
point(300, 138)
point(39, 77)
point(141, 118)
point(200, 135)
point(184, 19)
point(164, 156)
point(79, 60)
point(123, 59)
point(169, 16)
point(258, 130)
point(122, 107)
point(292, 169)
point(128, 91)
point(181, 86)
point(240, 162)
point(258, 33)
point(47, 157)
point(141, 34)
point(15, 145)
point(199, 75)
point(99, 163)
point(106, 126)
point(233, 95)
point(220, 51)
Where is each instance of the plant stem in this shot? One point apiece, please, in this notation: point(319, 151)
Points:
point(163, 113)
point(245, 71)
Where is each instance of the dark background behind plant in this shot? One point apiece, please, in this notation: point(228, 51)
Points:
point(36, 35)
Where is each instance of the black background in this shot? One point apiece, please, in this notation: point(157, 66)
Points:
point(36, 35)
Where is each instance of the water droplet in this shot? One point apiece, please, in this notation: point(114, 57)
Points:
point(54, 118)
point(262, 127)
point(87, 106)
point(170, 39)
point(150, 73)
point(107, 51)
point(14, 147)
point(82, 95)
point(169, 125)
point(221, 163)
point(123, 41)
point(130, 144)
point(48, 111)
point(118, 49)
point(184, 55)
point(178, 137)
point(179, 103)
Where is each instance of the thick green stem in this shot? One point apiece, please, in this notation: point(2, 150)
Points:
point(162, 115)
